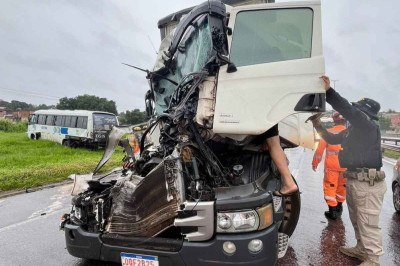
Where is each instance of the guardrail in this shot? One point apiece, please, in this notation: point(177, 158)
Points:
point(391, 147)
point(392, 139)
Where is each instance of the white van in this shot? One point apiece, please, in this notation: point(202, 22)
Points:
point(72, 128)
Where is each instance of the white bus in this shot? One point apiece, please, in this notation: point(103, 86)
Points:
point(72, 128)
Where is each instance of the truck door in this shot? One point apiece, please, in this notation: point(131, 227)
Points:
point(277, 49)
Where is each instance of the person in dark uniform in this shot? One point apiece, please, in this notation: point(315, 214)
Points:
point(361, 155)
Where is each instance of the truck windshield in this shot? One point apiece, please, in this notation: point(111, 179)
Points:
point(104, 121)
point(193, 53)
point(265, 36)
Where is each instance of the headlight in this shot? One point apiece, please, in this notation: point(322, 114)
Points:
point(241, 221)
point(266, 216)
point(78, 212)
point(245, 221)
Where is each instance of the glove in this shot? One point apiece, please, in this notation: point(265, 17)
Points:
point(129, 163)
point(315, 119)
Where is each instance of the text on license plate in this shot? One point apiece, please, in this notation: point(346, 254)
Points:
point(129, 259)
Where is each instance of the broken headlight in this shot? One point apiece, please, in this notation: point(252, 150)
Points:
point(244, 221)
point(78, 212)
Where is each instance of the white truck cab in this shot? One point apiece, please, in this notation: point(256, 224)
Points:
point(201, 191)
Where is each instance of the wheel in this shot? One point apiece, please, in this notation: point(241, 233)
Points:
point(66, 143)
point(396, 197)
point(33, 136)
point(74, 144)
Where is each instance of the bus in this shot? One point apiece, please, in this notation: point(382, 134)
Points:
point(72, 128)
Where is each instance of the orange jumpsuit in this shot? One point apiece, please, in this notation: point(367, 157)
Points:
point(334, 182)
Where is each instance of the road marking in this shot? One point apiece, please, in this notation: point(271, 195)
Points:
point(55, 205)
point(11, 226)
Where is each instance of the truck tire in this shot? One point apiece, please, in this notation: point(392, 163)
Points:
point(396, 197)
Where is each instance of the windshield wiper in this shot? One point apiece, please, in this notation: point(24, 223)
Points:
point(151, 74)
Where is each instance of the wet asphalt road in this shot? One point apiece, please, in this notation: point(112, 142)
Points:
point(29, 232)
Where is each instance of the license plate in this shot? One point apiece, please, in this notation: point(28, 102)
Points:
point(129, 259)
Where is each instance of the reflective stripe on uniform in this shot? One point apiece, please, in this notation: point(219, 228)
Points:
point(330, 198)
point(340, 197)
point(328, 152)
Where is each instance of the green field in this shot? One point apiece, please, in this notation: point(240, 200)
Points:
point(28, 163)
point(392, 154)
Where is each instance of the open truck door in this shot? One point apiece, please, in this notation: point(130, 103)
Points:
point(277, 51)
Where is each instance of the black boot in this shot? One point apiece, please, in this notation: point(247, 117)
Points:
point(332, 213)
point(339, 209)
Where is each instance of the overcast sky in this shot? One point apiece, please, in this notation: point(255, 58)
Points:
point(52, 49)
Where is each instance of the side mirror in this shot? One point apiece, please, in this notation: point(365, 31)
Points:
point(149, 102)
point(231, 68)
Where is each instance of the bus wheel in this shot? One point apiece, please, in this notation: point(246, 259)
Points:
point(66, 143)
point(73, 144)
point(94, 146)
point(33, 136)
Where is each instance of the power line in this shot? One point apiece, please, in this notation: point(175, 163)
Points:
point(31, 94)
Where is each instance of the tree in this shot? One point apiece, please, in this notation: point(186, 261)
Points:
point(133, 117)
point(87, 102)
point(45, 107)
point(391, 111)
point(15, 105)
point(384, 123)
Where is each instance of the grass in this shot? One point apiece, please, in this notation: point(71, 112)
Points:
point(392, 154)
point(29, 163)
point(10, 126)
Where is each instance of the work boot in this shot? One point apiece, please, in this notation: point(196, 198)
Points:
point(369, 262)
point(332, 213)
point(339, 209)
point(354, 252)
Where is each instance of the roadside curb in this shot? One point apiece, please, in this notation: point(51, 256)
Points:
point(389, 160)
point(11, 193)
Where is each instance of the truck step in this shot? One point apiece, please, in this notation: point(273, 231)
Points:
point(283, 243)
point(277, 203)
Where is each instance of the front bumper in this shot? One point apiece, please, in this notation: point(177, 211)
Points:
point(91, 246)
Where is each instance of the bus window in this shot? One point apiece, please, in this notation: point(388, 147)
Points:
point(67, 121)
point(42, 119)
point(59, 119)
point(104, 121)
point(79, 122)
point(33, 119)
point(50, 120)
point(82, 122)
point(73, 121)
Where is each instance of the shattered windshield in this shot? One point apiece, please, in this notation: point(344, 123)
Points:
point(104, 121)
point(193, 53)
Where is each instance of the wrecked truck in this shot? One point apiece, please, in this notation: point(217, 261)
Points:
point(200, 193)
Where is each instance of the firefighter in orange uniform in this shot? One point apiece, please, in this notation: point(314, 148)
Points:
point(334, 182)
